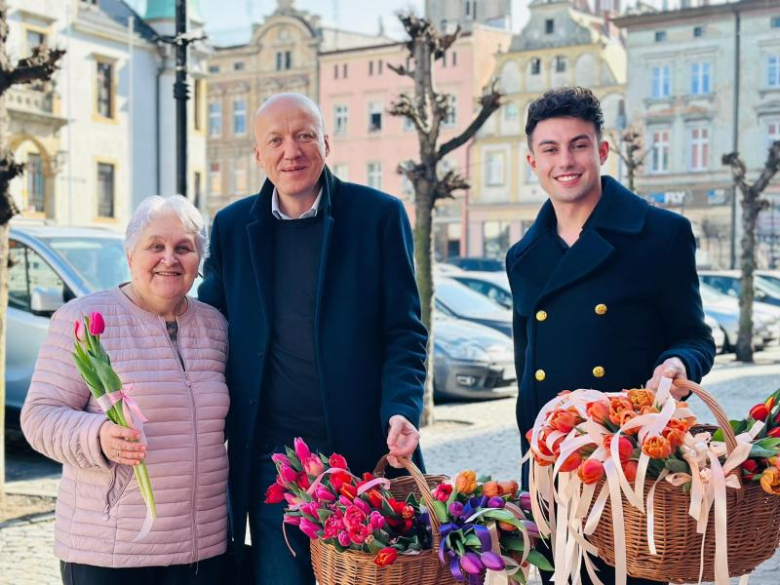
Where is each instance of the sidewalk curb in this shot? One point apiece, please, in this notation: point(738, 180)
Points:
point(29, 519)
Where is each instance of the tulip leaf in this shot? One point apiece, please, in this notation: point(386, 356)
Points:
point(412, 500)
point(440, 509)
point(460, 548)
point(472, 540)
point(324, 515)
point(500, 515)
point(676, 465)
point(111, 382)
point(325, 460)
point(768, 443)
point(538, 559)
point(88, 373)
point(295, 463)
point(758, 452)
point(387, 509)
point(513, 543)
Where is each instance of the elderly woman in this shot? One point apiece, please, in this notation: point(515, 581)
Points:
point(169, 351)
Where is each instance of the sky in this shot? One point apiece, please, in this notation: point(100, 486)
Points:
point(227, 21)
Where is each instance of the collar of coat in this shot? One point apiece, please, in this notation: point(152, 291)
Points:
point(618, 210)
point(261, 208)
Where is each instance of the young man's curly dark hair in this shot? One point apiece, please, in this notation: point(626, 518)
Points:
point(565, 102)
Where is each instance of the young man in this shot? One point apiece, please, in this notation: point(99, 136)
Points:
point(605, 289)
point(316, 279)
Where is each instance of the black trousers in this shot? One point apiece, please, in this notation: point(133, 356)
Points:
point(208, 572)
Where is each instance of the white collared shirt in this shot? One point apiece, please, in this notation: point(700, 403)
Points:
point(279, 214)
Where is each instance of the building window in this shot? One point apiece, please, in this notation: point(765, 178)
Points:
point(213, 68)
point(700, 149)
point(773, 71)
point(239, 176)
point(35, 39)
point(215, 120)
point(660, 36)
point(775, 22)
point(215, 178)
point(495, 238)
point(341, 170)
point(283, 60)
point(341, 115)
point(698, 31)
point(105, 191)
point(659, 155)
point(335, 71)
point(238, 66)
point(239, 118)
point(494, 169)
point(197, 104)
point(452, 111)
point(196, 189)
point(700, 79)
point(375, 175)
point(408, 124)
point(105, 89)
point(375, 116)
point(536, 66)
point(549, 26)
point(511, 112)
point(379, 67)
point(560, 64)
point(772, 133)
point(661, 81)
point(370, 67)
point(36, 185)
point(344, 71)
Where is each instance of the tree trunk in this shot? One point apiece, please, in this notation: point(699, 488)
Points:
point(4, 256)
point(750, 210)
point(423, 255)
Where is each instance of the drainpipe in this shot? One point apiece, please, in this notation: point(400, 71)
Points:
point(161, 50)
point(735, 133)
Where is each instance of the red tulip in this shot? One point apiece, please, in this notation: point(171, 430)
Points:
point(348, 491)
point(339, 479)
point(386, 556)
point(572, 462)
point(629, 470)
point(337, 461)
point(274, 494)
point(96, 323)
point(759, 412)
point(443, 492)
point(78, 330)
point(590, 471)
point(749, 469)
point(775, 432)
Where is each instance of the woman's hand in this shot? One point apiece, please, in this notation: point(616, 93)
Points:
point(121, 444)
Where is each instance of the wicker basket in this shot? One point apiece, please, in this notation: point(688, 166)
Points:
point(356, 568)
point(753, 526)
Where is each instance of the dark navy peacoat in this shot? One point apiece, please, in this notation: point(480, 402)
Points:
point(370, 343)
point(604, 313)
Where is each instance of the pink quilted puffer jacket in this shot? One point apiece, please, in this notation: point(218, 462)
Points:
point(99, 506)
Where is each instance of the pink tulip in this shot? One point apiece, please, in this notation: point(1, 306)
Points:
point(324, 494)
point(96, 323)
point(344, 538)
point(280, 458)
point(292, 520)
point(363, 506)
point(292, 500)
point(376, 520)
point(310, 508)
point(309, 528)
point(78, 330)
point(301, 449)
point(333, 526)
point(345, 501)
point(288, 474)
point(313, 466)
point(358, 534)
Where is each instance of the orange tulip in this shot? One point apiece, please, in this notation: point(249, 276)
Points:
point(679, 424)
point(572, 462)
point(386, 556)
point(539, 461)
point(466, 482)
point(770, 481)
point(657, 447)
point(675, 437)
point(491, 488)
point(617, 406)
point(590, 471)
point(598, 411)
point(629, 470)
point(641, 398)
point(562, 420)
point(626, 416)
point(509, 488)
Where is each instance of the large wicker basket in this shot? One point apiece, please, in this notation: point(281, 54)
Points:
point(355, 568)
point(753, 526)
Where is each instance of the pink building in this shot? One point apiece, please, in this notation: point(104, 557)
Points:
point(357, 89)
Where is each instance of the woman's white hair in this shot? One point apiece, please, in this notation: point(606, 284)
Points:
point(155, 206)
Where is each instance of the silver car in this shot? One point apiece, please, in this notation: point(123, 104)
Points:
point(48, 267)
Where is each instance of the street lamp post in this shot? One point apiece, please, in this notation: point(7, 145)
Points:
point(181, 95)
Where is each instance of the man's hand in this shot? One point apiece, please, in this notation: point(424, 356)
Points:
point(402, 439)
point(672, 368)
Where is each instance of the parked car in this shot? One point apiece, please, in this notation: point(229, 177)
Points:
point(471, 360)
point(493, 285)
point(48, 267)
point(725, 310)
point(454, 299)
point(772, 276)
point(729, 282)
point(477, 263)
point(717, 332)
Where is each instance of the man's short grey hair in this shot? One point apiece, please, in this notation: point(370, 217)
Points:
point(154, 207)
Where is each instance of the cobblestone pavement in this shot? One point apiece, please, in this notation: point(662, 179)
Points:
point(478, 435)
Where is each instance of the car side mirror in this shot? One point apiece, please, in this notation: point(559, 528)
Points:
point(44, 301)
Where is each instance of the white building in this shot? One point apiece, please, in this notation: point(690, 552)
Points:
point(704, 82)
point(101, 136)
point(447, 14)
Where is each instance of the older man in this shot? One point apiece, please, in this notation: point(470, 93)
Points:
point(316, 279)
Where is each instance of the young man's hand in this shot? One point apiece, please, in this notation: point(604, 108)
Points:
point(402, 439)
point(671, 368)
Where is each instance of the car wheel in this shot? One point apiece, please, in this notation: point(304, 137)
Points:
point(727, 347)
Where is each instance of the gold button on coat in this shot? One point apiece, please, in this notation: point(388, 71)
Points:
point(601, 309)
point(541, 315)
point(540, 375)
point(599, 372)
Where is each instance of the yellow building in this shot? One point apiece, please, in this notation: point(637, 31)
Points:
point(562, 45)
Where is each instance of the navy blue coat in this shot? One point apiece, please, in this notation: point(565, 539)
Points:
point(624, 298)
point(370, 344)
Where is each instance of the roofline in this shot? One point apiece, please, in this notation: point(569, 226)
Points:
point(696, 12)
point(463, 35)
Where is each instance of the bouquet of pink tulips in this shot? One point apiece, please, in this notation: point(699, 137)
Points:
point(94, 365)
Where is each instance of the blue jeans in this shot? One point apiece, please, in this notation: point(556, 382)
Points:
point(273, 562)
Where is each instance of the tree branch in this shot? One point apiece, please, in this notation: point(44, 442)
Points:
point(401, 70)
point(9, 170)
point(40, 66)
point(450, 182)
point(405, 107)
point(771, 167)
point(489, 102)
point(738, 169)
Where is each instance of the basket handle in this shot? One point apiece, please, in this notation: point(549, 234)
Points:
point(425, 492)
point(716, 409)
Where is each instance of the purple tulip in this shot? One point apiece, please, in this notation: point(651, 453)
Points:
point(525, 501)
point(492, 561)
point(292, 520)
point(495, 502)
point(309, 528)
point(456, 509)
point(471, 564)
point(531, 528)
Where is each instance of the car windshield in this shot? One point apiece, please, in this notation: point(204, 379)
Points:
point(710, 294)
point(101, 262)
point(463, 301)
point(771, 278)
point(768, 286)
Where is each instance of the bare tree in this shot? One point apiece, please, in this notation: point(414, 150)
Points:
point(426, 110)
point(38, 67)
point(630, 148)
point(752, 205)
